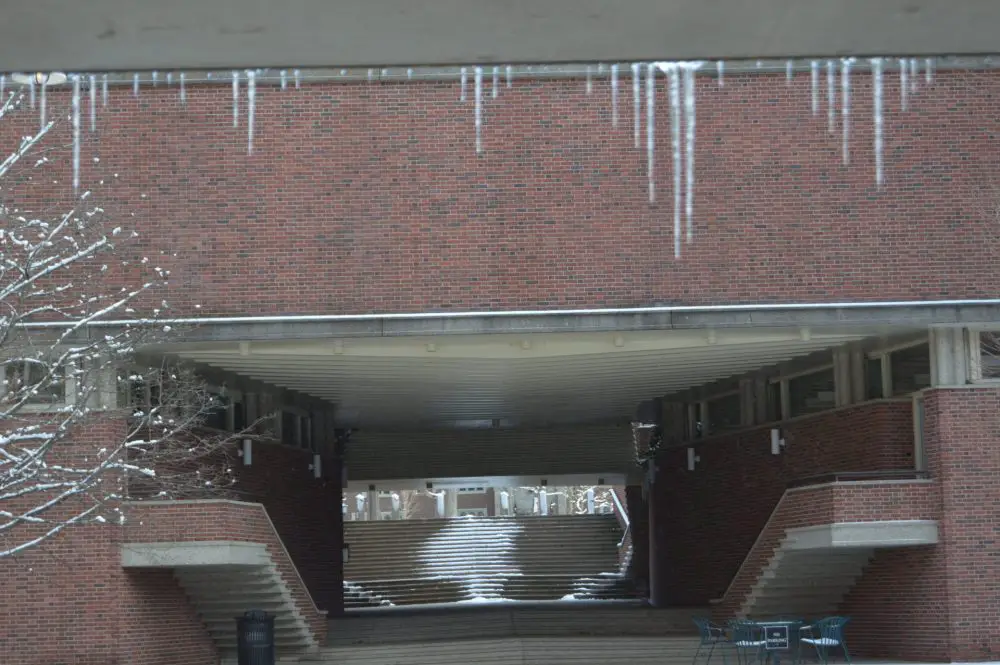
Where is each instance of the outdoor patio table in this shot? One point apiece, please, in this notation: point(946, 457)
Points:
point(781, 636)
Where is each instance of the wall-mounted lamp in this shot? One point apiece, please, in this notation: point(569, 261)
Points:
point(247, 452)
point(40, 78)
point(777, 442)
point(345, 553)
point(692, 459)
point(317, 466)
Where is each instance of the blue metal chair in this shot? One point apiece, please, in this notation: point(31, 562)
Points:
point(747, 638)
point(709, 636)
point(827, 634)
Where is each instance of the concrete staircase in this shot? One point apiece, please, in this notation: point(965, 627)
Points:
point(221, 593)
point(475, 559)
point(805, 583)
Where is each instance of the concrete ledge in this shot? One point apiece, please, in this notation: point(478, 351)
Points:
point(193, 554)
point(894, 533)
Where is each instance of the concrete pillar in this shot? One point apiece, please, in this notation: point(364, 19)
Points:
point(543, 502)
point(952, 358)
point(590, 501)
point(748, 402)
point(451, 503)
point(859, 383)
point(658, 541)
point(638, 514)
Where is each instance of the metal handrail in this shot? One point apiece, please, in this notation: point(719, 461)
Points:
point(849, 476)
point(624, 515)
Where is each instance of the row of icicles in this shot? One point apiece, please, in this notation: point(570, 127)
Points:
point(680, 95)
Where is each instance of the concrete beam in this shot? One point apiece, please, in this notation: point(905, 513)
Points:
point(905, 315)
point(894, 533)
point(106, 35)
point(200, 553)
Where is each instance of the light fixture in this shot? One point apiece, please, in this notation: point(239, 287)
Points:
point(345, 553)
point(317, 466)
point(777, 442)
point(692, 459)
point(247, 452)
point(40, 78)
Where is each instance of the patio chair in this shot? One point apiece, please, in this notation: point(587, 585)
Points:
point(747, 638)
point(709, 636)
point(827, 634)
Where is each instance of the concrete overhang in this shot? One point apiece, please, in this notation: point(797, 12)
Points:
point(109, 35)
point(891, 533)
point(195, 553)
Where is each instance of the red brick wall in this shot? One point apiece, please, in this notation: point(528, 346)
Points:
point(707, 520)
point(370, 197)
point(305, 511)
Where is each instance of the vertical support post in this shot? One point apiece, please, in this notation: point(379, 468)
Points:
point(543, 502)
point(590, 501)
point(950, 355)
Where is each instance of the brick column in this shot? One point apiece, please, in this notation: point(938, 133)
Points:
point(961, 432)
point(638, 515)
point(659, 575)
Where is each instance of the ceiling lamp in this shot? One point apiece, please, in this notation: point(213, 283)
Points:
point(40, 78)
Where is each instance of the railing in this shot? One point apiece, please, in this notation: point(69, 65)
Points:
point(620, 509)
point(855, 476)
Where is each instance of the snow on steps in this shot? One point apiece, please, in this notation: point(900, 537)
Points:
point(448, 560)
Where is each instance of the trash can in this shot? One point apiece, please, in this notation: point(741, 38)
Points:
point(255, 638)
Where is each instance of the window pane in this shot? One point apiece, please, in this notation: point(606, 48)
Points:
point(911, 370)
point(289, 429)
point(724, 414)
point(874, 378)
point(989, 347)
point(811, 393)
point(32, 376)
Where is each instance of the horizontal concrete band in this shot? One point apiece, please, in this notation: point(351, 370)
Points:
point(105, 35)
point(910, 315)
point(890, 533)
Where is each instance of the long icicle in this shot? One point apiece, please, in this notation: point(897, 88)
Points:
point(590, 80)
point(635, 102)
point(814, 81)
point(31, 93)
point(236, 98)
point(76, 131)
point(904, 84)
point(3, 88)
point(831, 96)
point(135, 85)
point(183, 90)
point(877, 113)
point(92, 92)
point(479, 109)
point(465, 83)
point(675, 140)
point(651, 129)
point(42, 105)
point(914, 74)
point(720, 70)
point(496, 82)
point(283, 78)
point(298, 78)
point(689, 127)
point(509, 71)
point(845, 106)
point(614, 95)
point(789, 71)
point(104, 89)
point(251, 107)
point(929, 71)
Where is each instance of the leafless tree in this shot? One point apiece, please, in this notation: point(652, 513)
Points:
point(84, 425)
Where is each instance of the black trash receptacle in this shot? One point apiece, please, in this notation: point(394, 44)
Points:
point(255, 638)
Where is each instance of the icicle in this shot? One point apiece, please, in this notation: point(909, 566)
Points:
point(845, 106)
point(104, 89)
point(510, 75)
point(720, 70)
point(251, 107)
point(76, 130)
point(155, 76)
point(409, 74)
point(385, 73)
point(3, 88)
point(371, 75)
point(31, 93)
point(600, 69)
point(760, 64)
point(465, 83)
point(183, 90)
point(904, 84)
point(590, 80)
point(831, 95)
point(479, 109)
point(283, 75)
point(877, 112)
point(170, 78)
point(92, 80)
point(914, 74)
point(814, 82)
point(675, 139)
point(650, 128)
point(236, 98)
point(297, 75)
point(614, 95)
point(42, 111)
point(135, 85)
point(689, 126)
point(929, 71)
point(496, 82)
point(635, 102)
point(789, 71)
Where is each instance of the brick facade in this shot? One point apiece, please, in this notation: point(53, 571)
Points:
point(705, 521)
point(371, 198)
